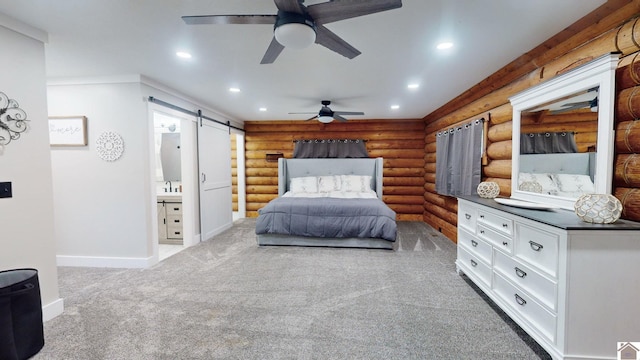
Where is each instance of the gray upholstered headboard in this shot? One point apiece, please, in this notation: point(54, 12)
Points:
point(292, 168)
point(572, 163)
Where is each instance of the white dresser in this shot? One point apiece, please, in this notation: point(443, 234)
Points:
point(573, 287)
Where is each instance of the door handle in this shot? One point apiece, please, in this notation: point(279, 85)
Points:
point(203, 177)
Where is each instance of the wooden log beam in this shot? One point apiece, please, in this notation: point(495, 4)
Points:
point(500, 150)
point(498, 168)
point(630, 199)
point(627, 170)
point(501, 132)
point(628, 137)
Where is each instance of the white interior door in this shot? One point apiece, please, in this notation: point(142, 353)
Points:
point(214, 161)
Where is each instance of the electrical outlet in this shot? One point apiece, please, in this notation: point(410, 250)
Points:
point(5, 190)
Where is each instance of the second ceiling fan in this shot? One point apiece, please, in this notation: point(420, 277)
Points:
point(326, 115)
point(297, 26)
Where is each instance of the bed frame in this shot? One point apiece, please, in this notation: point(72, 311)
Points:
point(292, 168)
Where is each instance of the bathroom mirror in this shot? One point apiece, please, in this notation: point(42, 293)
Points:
point(170, 157)
point(573, 112)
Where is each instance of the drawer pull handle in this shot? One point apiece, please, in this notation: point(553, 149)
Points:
point(520, 272)
point(176, 221)
point(473, 263)
point(535, 246)
point(474, 243)
point(481, 231)
point(505, 225)
point(481, 216)
point(176, 209)
point(520, 300)
point(468, 216)
point(505, 243)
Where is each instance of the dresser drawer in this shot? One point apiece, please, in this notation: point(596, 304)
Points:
point(467, 216)
point(478, 268)
point(526, 307)
point(174, 220)
point(173, 208)
point(498, 240)
point(538, 247)
point(475, 246)
point(544, 289)
point(174, 231)
point(498, 223)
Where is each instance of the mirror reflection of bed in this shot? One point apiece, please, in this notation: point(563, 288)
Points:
point(558, 144)
point(330, 203)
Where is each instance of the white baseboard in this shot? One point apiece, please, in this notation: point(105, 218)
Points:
point(52, 309)
point(108, 262)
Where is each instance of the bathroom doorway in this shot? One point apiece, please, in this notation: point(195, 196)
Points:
point(175, 187)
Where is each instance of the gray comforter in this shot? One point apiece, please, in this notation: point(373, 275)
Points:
point(328, 217)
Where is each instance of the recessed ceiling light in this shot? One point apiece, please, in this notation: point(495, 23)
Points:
point(263, 109)
point(234, 90)
point(395, 107)
point(183, 55)
point(445, 45)
point(413, 86)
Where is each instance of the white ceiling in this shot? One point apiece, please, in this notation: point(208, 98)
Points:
point(89, 38)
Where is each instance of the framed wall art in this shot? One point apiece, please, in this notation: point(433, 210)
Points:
point(68, 131)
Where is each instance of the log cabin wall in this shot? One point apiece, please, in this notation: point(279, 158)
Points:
point(399, 142)
point(614, 27)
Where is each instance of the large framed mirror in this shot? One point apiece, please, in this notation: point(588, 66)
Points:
point(563, 135)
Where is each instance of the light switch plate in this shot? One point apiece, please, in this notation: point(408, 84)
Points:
point(5, 190)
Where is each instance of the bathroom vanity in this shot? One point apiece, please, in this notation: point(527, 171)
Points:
point(170, 229)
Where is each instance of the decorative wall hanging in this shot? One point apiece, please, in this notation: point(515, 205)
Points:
point(110, 146)
point(13, 120)
point(68, 131)
point(598, 208)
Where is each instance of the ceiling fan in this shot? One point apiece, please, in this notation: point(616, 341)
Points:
point(583, 104)
point(298, 26)
point(326, 115)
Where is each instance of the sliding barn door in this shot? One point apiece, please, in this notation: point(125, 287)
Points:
point(214, 162)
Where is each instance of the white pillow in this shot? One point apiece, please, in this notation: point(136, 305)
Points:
point(329, 183)
point(575, 183)
point(356, 183)
point(545, 180)
point(307, 184)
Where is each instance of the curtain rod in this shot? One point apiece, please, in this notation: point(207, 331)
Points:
point(189, 112)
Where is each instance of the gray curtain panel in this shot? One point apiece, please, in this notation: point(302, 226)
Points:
point(548, 143)
point(458, 160)
point(330, 149)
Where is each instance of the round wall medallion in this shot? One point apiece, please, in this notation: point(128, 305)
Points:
point(488, 189)
point(109, 146)
point(598, 208)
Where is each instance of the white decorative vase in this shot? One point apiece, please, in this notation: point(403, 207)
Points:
point(598, 208)
point(488, 189)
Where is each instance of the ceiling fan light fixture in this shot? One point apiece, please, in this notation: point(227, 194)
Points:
point(294, 31)
point(325, 119)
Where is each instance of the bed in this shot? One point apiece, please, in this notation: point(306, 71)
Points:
point(328, 202)
point(566, 174)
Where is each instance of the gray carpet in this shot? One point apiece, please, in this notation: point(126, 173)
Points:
point(230, 299)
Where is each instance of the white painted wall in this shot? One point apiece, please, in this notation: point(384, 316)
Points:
point(105, 211)
point(27, 238)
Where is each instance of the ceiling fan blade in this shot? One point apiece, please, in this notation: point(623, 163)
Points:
point(303, 113)
point(331, 41)
point(560, 111)
point(293, 6)
point(274, 49)
point(229, 19)
point(336, 10)
point(311, 118)
point(348, 112)
point(338, 117)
